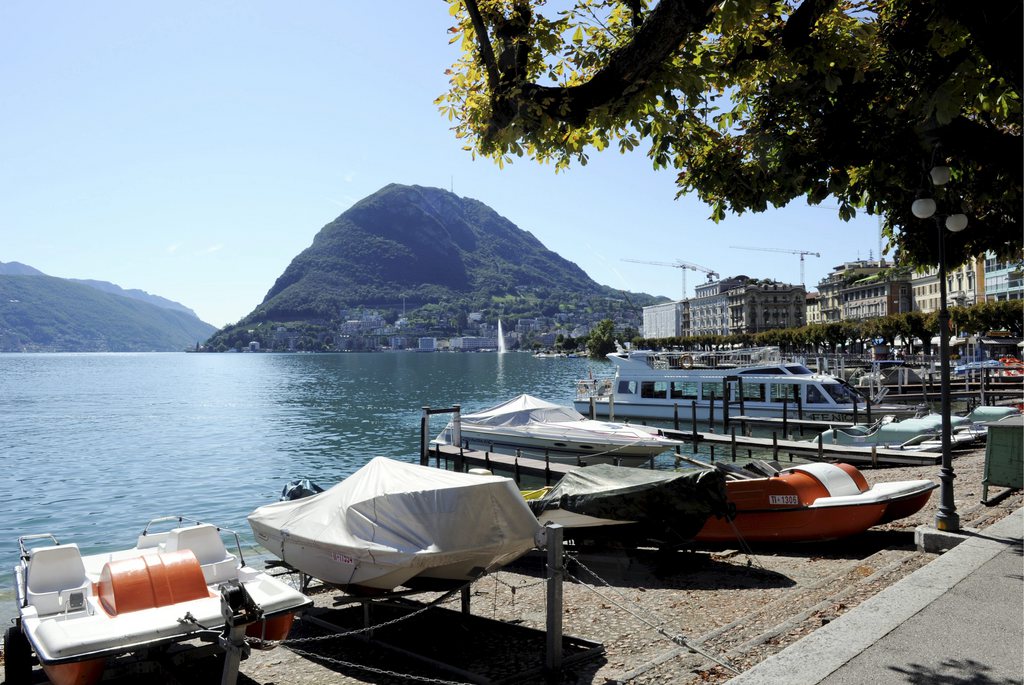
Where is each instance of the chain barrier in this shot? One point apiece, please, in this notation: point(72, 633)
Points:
point(403, 677)
point(359, 631)
point(677, 638)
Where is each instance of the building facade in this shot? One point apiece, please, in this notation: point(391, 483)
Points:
point(757, 306)
point(877, 295)
point(1003, 280)
point(667, 320)
point(830, 288)
point(709, 308)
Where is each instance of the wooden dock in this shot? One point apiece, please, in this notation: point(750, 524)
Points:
point(722, 447)
point(730, 446)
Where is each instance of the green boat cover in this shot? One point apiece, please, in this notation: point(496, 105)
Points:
point(666, 506)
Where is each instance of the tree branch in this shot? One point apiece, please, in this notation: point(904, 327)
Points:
point(657, 40)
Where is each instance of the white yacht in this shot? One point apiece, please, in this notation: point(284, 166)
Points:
point(662, 385)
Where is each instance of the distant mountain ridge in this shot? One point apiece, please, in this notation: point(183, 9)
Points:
point(418, 246)
point(40, 313)
point(19, 269)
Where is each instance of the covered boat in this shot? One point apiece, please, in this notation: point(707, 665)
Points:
point(645, 506)
point(76, 610)
point(535, 428)
point(810, 502)
point(920, 432)
point(393, 523)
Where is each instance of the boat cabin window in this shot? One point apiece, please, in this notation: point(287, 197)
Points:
point(627, 387)
point(766, 371)
point(709, 389)
point(653, 389)
point(841, 394)
point(684, 390)
point(753, 392)
point(815, 395)
point(798, 370)
point(784, 392)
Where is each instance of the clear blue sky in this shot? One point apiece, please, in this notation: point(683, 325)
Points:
point(192, 149)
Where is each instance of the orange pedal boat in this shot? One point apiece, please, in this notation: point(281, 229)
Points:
point(810, 502)
point(76, 611)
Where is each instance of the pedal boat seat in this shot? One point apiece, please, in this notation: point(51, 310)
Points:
point(205, 542)
point(55, 579)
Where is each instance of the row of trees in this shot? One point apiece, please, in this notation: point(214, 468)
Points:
point(907, 328)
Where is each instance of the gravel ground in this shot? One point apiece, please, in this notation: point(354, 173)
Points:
point(736, 605)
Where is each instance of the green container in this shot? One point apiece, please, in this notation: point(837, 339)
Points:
point(1004, 455)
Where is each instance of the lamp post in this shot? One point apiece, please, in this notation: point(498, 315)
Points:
point(924, 208)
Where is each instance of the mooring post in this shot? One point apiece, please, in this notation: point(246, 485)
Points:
point(456, 424)
point(711, 413)
point(693, 423)
point(611, 407)
point(725, 405)
point(799, 407)
point(874, 456)
point(424, 427)
point(775, 446)
point(593, 407)
point(739, 389)
point(821, 447)
point(984, 386)
point(547, 468)
point(867, 408)
point(785, 415)
point(733, 443)
point(553, 659)
point(855, 410)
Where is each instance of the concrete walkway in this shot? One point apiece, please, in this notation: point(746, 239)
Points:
point(958, 620)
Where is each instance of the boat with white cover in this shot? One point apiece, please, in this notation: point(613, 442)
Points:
point(393, 523)
point(662, 385)
point(77, 610)
point(536, 428)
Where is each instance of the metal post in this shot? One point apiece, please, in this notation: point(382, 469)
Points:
point(711, 413)
point(555, 572)
point(785, 415)
point(733, 443)
point(611, 407)
point(424, 427)
point(693, 425)
point(457, 425)
point(739, 389)
point(947, 518)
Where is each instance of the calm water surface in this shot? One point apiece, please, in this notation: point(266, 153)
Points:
point(93, 446)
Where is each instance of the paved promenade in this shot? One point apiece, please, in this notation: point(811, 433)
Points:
point(960, 619)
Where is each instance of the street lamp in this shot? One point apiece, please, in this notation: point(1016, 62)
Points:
point(925, 208)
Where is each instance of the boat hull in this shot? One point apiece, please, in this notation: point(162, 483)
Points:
point(796, 506)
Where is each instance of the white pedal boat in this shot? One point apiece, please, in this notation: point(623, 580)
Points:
point(76, 610)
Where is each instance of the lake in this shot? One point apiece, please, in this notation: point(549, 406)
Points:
point(93, 446)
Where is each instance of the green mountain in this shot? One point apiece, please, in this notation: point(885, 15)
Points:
point(44, 314)
point(410, 246)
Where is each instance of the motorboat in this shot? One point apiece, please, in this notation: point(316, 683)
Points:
point(666, 508)
point(809, 502)
point(675, 384)
point(918, 433)
point(77, 610)
point(393, 523)
point(536, 428)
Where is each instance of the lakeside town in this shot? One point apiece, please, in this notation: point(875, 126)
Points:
point(854, 292)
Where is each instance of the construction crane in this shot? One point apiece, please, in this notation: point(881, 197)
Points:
point(682, 266)
point(802, 254)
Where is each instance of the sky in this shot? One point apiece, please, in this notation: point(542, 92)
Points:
point(193, 149)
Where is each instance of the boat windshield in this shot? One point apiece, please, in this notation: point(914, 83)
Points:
point(798, 369)
point(840, 393)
